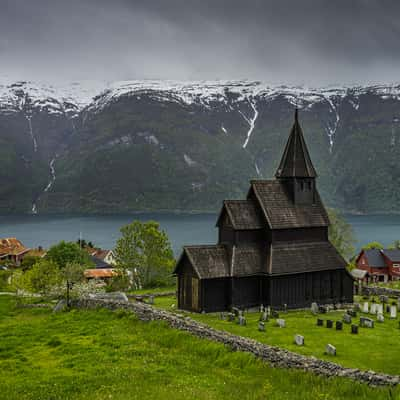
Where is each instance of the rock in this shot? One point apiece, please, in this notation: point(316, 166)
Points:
point(114, 296)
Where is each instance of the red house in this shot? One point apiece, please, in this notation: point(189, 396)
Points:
point(381, 265)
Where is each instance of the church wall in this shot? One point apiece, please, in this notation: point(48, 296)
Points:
point(300, 234)
point(216, 294)
point(246, 292)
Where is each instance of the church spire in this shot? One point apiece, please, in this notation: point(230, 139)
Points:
point(296, 162)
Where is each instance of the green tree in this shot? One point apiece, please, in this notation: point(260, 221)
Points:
point(68, 252)
point(72, 274)
point(373, 245)
point(145, 250)
point(396, 245)
point(44, 277)
point(341, 234)
point(29, 262)
point(19, 284)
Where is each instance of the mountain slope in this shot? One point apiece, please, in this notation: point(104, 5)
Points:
point(135, 146)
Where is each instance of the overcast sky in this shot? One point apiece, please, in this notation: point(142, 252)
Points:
point(298, 41)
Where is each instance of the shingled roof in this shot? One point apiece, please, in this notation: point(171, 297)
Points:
point(296, 162)
point(281, 212)
point(248, 260)
point(208, 261)
point(290, 258)
point(243, 214)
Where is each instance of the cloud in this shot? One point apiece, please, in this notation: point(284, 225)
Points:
point(310, 41)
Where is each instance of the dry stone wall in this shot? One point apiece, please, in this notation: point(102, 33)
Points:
point(275, 356)
point(380, 291)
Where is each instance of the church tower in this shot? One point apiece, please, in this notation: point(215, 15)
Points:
point(296, 169)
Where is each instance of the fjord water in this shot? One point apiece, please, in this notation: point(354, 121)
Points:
point(103, 230)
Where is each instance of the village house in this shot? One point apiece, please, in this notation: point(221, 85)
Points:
point(107, 256)
point(12, 251)
point(379, 265)
point(272, 249)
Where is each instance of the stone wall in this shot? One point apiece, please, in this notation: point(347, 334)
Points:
point(275, 356)
point(380, 291)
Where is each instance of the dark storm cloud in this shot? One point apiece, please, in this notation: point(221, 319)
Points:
point(312, 42)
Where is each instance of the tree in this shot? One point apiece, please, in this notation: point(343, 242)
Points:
point(395, 245)
point(373, 245)
point(44, 277)
point(341, 234)
point(82, 243)
point(145, 250)
point(29, 262)
point(19, 284)
point(72, 274)
point(68, 252)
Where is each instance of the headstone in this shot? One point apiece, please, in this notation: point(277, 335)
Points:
point(274, 314)
point(236, 311)
point(314, 308)
point(352, 313)
point(373, 309)
point(151, 300)
point(379, 308)
point(366, 322)
point(380, 317)
point(262, 308)
point(281, 322)
point(264, 316)
point(322, 309)
point(222, 316)
point(329, 323)
point(261, 326)
point(242, 320)
point(357, 307)
point(365, 307)
point(231, 317)
point(388, 308)
point(393, 312)
point(339, 325)
point(330, 350)
point(354, 329)
point(346, 318)
point(384, 299)
point(299, 340)
point(320, 322)
point(285, 307)
point(269, 311)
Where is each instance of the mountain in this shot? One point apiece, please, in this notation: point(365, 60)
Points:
point(161, 145)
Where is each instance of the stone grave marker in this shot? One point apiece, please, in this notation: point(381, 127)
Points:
point(268, 311)
point(299, 340)
point(339, 325)
point(393, 312)
point(379, 308)
point(365, 307)
point(222, 316)
point(352, 313)
point(387, 308)
point(242, 320)
point(330, 350)
point(354, 329)
point(320, 322)
point(261, 326)
point(231, 317)
point(236, 311)
point(322, 309)
point(366, 322)
point(329, 323)
point(262, 308)
point(380, 317)
point(373, 309)
point(357, 307)
point(264, 317)
point(384, 299)
point(281, 323)
point(274, 314)
point(346, 318)
point(314, 308)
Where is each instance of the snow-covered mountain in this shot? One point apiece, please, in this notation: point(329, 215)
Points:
point(188, 145)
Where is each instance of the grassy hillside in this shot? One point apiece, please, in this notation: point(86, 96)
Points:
point(103, 355)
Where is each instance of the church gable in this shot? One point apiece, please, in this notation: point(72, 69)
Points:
point(241, 215)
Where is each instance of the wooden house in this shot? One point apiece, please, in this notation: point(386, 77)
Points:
point(272, 249)
point(380, 265)
point(12, 250)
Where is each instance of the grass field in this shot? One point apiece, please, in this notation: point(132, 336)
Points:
point(104, 355)
point(377, 349)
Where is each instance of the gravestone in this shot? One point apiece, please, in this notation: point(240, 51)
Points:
point(329, 323)
point(365, 307)
point(236, 311)
point(314, 308)
point(242, 320)
point(339, 325)
point(268, 311)
point(388, 308)
point(320, 322)
point(322, 309)
point(150, 300)
point(380, 317)
point(222, 316)
point(231, 317)
point(346, 318)
point(354, 329)
point(281, 322)
point(261, 326)
point(393, 312)
point(357, 307)
point(366, 322)
point(262, 308)
point(264, 316)
point(299, 340)
point(274, 314)
point(384, 299)
point(330, 350)
point(352, 313)
point(285, 307)
point(379, 308)
point(373, 309)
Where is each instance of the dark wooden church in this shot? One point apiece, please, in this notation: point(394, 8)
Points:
point(273, 247)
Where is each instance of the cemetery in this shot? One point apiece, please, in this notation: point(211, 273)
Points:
point(358, 338)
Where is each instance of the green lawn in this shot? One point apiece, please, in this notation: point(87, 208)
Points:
point(377, 349)
point(105, 355)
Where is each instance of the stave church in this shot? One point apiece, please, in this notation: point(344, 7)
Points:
point(273, 247)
